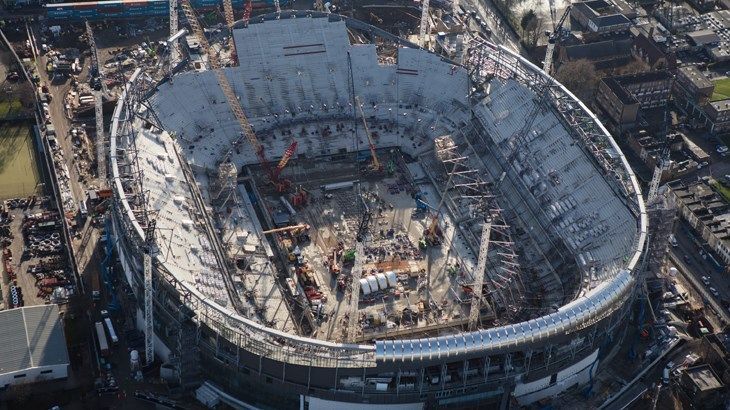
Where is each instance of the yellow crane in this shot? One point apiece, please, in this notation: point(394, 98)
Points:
point(376, 165)
point(215, 66)
point(287, 228)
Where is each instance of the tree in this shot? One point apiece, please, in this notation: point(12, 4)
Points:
point(530, 24)
point(580, 77)
point(528, 20)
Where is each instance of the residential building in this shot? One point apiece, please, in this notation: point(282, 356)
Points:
point(603, 54)
point(717, 116)
point(621, 97)
point(651, 89)
point(599, 16)
point(707, 212)
point(646, 50)
point(621, 107)
point(692, 86)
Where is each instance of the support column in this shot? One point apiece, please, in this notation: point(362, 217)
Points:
point(443, 376)
point(507, 363)
point(487, 362)
point(464, 372)
point(420, 382)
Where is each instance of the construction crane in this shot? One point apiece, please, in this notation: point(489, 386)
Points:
point(282, 185)
point(554, 37)
point(476, 298)
point(174, 55)
point(375, 165)
point(287, 228)
point(355, 291)
point(424, 23)
point(148, 249)
point(215, 65)
point(228, 13)
point(248, 6)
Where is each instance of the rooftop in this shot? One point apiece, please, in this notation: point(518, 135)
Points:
point(620, 92)
point(703, 378)
point(31, 337)
point(611, 20)
point(695, 76)
point(702, 37)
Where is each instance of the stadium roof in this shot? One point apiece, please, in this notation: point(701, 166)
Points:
point(31, 337)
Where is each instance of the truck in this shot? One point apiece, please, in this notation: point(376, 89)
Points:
point(673, 241)
point(101, 338)
point(112, 333)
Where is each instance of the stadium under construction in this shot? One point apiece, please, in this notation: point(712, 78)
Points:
point(387, 227)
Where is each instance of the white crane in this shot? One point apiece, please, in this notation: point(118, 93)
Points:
point(554, 37)
point(424, 23)
point(149, 328)
point(174, 54)
point(476, 296)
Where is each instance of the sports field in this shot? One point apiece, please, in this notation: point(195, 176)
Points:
point(722, 90)
point(18, 165)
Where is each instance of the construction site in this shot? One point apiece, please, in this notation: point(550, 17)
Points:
point(413, 273)
point(326, 204)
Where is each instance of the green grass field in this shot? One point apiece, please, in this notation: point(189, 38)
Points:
point(10, 107)
point(722, 190)
point(722, 90)
point(18, 165)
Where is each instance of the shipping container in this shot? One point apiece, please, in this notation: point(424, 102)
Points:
point(101, 337)
point(112, 333)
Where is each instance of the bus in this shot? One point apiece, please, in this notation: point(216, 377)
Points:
point(112, 333)
point(101, 337)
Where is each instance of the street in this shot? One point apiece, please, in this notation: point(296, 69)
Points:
point(687, 259)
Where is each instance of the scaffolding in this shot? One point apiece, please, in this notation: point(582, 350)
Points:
point(100, 142)
point(475, 207)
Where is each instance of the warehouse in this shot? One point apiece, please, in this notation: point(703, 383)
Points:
point(34, 346)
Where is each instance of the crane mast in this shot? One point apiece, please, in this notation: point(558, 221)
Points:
point(376, 165)
point(228, 13)
point(173, 30)
point(424, 23)
point(554, 37)
point(149, 339)
point(476, 297)
point(233, 103)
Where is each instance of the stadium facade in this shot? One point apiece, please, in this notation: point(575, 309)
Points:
point(555, 173)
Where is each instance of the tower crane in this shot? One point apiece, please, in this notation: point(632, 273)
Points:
point(248, 6)
point(148, 249)
point(554, 36)
point(479, 276)
point(246, 128)
point(375, 165)
point(424, 23)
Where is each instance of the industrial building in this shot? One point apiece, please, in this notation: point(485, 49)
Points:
point(402, 229)
point(34, 346)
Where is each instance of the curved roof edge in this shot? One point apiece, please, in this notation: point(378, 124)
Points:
point(580, 312)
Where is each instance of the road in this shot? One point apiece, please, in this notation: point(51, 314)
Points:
point(686, 258)
point(501, 32)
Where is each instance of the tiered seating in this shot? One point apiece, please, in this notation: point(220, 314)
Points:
point(595, 225)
